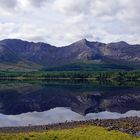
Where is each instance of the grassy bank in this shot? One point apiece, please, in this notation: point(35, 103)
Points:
point(80, 133)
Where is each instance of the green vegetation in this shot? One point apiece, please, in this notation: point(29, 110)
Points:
point(81, 133)
point(91, 67)
point(28, 67)
point(99, 76)
point(96, 72)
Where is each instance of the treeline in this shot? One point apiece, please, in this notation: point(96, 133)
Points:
point(101, 76)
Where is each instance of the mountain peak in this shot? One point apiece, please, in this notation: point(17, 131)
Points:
point(83, 41)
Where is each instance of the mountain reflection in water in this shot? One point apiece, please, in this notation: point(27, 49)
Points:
point(43, 102)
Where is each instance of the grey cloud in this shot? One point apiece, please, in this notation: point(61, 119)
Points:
point(107, 10)
point(72, 6)
point(19, 4)
point(8, 4)
point(38, 3)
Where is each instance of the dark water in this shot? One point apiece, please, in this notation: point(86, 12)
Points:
point(43, 102)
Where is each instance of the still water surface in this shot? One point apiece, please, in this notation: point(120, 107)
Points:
point(42, 102)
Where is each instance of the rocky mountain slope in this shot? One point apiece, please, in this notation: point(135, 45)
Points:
point(14, 51)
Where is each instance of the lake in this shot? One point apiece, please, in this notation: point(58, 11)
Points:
point(24, 103)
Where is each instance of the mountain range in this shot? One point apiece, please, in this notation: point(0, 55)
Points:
point(17, 54)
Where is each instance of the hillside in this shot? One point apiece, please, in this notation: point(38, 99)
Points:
point(42, 55)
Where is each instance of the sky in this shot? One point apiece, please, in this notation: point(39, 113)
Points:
point(61, 22)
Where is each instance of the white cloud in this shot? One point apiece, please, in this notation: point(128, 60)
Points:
point(61, 22)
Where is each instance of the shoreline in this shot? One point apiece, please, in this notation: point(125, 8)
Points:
point(130, 125)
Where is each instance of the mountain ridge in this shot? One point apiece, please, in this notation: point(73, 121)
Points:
point(13, 51)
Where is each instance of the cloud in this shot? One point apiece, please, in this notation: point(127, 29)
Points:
point(107, 10)
point(38, 3)
point(61, 22)
point(24, 31)
point(72, 6)
point(29, 4)
point(8, 4)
